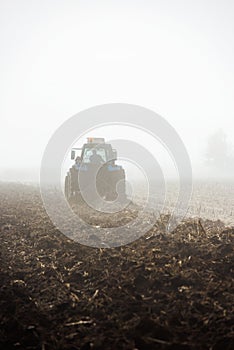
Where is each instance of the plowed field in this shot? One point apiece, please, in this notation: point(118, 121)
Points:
point(164, 291)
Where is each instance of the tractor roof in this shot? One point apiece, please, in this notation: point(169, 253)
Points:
point(95, 140)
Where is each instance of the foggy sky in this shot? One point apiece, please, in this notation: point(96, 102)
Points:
point(59, 57)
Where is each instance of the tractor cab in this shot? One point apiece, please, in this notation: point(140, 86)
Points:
point(97, 146)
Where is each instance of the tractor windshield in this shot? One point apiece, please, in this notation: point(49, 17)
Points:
point(90, 152)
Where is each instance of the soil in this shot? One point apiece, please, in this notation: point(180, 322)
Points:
point(163, 291)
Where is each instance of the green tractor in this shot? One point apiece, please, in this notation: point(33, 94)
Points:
point(95, 165)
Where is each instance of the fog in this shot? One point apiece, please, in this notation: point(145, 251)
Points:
point(61, 57)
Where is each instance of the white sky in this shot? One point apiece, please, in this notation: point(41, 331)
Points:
point(59, 57)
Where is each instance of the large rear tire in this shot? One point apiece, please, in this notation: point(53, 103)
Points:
point(66, 187)
point(116, 186)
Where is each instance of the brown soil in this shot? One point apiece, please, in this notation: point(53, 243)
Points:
point(164, 291)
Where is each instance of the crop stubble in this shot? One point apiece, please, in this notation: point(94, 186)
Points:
point(164, 291)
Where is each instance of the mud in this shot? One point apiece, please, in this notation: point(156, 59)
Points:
point(164, 291)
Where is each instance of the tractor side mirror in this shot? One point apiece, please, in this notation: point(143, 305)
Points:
point(114, 154)
point(73, 154)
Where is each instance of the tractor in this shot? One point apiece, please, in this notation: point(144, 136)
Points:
point(95, 164)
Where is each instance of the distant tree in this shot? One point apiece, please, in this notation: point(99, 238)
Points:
point(217, 149)
point(218, 152)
